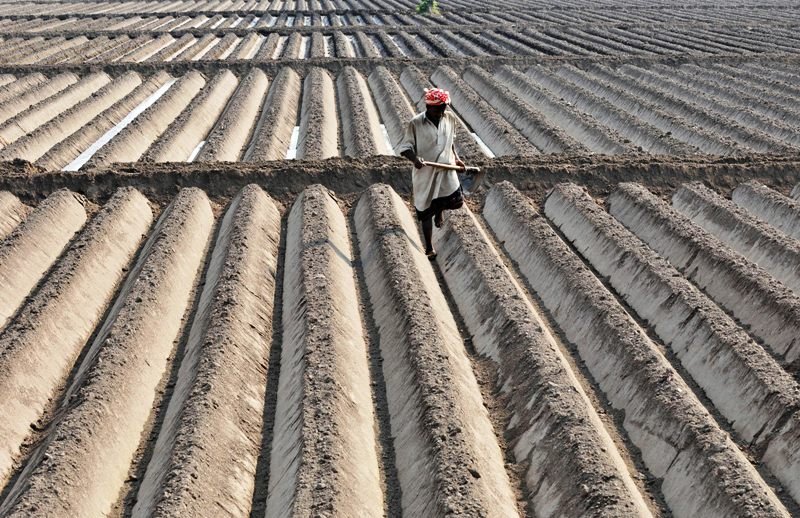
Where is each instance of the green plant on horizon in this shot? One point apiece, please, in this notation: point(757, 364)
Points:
point(428, 7)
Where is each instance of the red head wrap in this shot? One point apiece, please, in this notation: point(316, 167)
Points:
point(436, 96)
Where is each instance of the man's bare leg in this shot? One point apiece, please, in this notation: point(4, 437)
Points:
point(427, 233)
point(437, 219)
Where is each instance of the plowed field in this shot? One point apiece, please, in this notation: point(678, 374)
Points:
point(214, 299)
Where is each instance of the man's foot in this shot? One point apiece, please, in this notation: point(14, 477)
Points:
point(437, 220)
point(431, 254)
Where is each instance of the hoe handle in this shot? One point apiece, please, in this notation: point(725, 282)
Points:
point(468, 169)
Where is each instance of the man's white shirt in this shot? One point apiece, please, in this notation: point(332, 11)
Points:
point(431, 144)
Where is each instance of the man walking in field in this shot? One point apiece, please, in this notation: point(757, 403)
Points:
point(429, 137)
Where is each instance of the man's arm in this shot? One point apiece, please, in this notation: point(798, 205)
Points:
point(409, 154)
point(459, 162)
point(407, 147)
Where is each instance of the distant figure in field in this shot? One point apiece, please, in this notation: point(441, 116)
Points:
point(429, 137)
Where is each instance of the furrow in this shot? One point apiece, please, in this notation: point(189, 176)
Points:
point(361, 132)
point(390, 46)
point(703, 44)
point(448, 459)
point(609, 45)
point(584, 45)
point(747, 386)
point(671, 40)
point(581, 127)
point(757, 131)
point(34, 245)
point(427, 45)
point(324, 454)
point(8, 43)
point(83, 462)
point(550, 412)
point(23, 47)
point(46, 110)
point(492, 45)
point(171, 50)
point(452, 46)
point(196, 121)
point(779, 211)
point(645, 41)
point(246, 47)
point(392, 103)
point(783, 456)
point(663, 119)
point(702, 472)
point(318, 46)
point(267, 48)
point(51, 49)
point(36, 143)
point(41, 344)
point(762, 244)
point(515, 44)
point(12, 213)
point(44, 25)
point(534, 40)
point(319, 133)
point(559, 45)
point(501, 137)
point(622, 39)
point(205, 456)
point(38, 93)
point(412, 47)
point(756, 75)
point(131, 143)
point(757, 41)
point(229, 138)
point(126, 46)
point(223, 47)
point(292, 48)
point(343, 47)
point(770, 311)
point(94, 47)
point(150, 47)
point(716, 86)
point(273, 133)
point(193, 50)
point(24, 83)
point(663, 94)
point(745, 45)
point(370, 50)
point(70, 147)
point(527, 119)
point(354, 46)
point(214, 21)
point(176, 23)
point(122, 23)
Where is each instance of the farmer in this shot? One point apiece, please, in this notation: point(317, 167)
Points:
point(429, 137)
